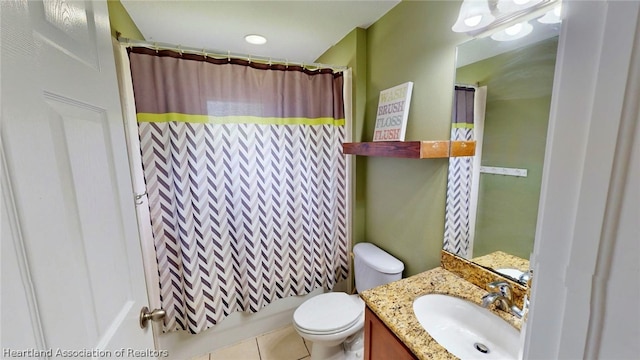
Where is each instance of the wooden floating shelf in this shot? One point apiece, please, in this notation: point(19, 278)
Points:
point(412, 149)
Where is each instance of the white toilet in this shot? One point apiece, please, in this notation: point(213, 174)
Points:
point(334, 321)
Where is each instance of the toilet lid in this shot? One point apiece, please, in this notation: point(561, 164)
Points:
point(328, 313)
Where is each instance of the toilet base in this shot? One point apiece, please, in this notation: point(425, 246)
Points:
point(319, 352)
point(354, 346)
point(351, 349)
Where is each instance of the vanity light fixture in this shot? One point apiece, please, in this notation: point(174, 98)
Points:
point(513, 32)
point(477, 16)
point(474, 15)
point(255, 39)
point(509, 6)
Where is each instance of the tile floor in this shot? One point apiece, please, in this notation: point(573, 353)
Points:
point(281, 344)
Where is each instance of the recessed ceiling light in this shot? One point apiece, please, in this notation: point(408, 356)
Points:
point(255, 39)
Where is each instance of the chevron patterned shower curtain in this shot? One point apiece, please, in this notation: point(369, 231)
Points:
point(245, 179)
point(457, 220)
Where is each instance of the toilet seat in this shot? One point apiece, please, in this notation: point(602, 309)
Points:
point(328, 313)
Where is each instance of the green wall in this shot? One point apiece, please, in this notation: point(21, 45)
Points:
point(121, 21)
point(351, 51)
point(507, 205)
point(519, 87)
point(405, 198)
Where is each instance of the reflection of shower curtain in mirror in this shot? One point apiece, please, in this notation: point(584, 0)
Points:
point(246, 182)
point(457, 222)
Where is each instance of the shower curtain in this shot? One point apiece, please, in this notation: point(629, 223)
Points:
point(457, 212)
point(245, 179)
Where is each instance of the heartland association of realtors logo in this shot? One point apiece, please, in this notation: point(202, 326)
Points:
point(128, 353)
point(393, 110)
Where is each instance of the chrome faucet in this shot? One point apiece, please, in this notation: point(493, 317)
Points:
point(525, 277)
point(504, 298)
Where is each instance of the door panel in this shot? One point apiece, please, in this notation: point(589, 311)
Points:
point(76, 245)
point(67, 25)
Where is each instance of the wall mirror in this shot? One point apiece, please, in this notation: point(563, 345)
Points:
point(502, 99)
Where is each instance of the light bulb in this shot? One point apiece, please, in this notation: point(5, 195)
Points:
point(513, 30)
point(473, 20)
point(552, 16)
point(473, 15)
point(510, 6)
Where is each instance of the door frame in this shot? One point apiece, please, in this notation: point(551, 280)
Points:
point(593, 105)
point(145, 231)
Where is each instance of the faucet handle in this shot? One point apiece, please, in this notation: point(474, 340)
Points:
point(502, 286)
point(526, 277)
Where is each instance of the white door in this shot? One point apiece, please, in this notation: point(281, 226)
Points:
point(72, 276)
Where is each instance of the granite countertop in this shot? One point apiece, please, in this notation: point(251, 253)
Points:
point(393, 303)
point(499, 259)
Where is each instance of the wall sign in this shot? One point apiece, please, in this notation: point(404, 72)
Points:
point(393, 110)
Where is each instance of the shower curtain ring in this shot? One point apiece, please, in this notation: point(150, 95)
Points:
point(138, 198)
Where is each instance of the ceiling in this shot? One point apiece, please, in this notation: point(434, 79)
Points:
point(297, 31)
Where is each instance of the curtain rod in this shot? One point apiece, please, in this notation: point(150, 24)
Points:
point(221, 55)
point(468, 86)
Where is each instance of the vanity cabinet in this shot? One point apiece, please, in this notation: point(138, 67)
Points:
point(380, 343)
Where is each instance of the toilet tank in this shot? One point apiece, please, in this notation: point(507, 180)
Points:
point(374, 267)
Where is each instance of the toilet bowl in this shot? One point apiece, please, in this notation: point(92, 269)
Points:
point(328, 320)
point(334, 321)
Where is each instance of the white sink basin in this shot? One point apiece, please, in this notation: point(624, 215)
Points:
point(514, 273)
point(466, 329)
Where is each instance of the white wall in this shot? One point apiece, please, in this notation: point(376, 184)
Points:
point(585, 290)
